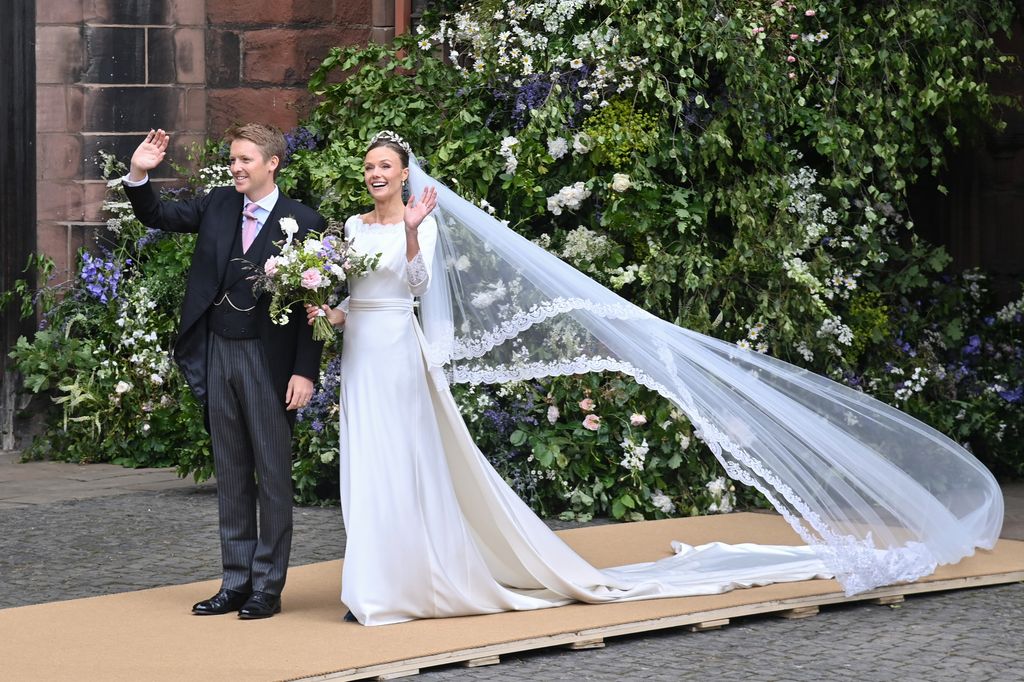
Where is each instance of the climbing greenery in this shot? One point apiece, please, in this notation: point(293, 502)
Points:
point(737, 167)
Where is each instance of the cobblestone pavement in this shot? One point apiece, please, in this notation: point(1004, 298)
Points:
point(78, 548)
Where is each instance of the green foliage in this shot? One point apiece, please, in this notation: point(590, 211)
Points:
point(739, 168)
point(101, 354)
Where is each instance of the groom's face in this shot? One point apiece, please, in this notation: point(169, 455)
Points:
point(252, 171)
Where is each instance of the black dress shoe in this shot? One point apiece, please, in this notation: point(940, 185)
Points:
point(260, 605)
point(225, 601)
point(349, 618)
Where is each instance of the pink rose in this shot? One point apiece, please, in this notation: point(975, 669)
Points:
point(637, 419)
point(587, 405)
point(592, 422)
point(794, 36)
point(810, 13)
point(270, 267)
point(311, 278)
point(790, 59)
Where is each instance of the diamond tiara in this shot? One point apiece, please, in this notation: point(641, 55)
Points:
point(392, 136)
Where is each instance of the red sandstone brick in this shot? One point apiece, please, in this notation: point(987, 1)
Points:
point(58, 156)
point(75, 98)
point(282, 107)
point(188, 12)
point(52, 240)
point(60, 54)
point(382, 12)
point(193, 115)
point(287, 57)
point(58, 200)
point(277, 12)
point(190, 55)
point(58, 12)
point(51, 108)
point(382, 35)
point(94, 193)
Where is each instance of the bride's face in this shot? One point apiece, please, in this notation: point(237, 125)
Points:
point(383, 174)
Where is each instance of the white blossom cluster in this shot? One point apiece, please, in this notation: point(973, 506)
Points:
point(841, 284)
point(662, 502)
point(915, 384)
point(569, 197)
point(215, 176)
point(147, 361)
point(511, 162)
point(753, 340)
point(1011, 310)
point(621, 276)
point(833, 327)
point(815, 38)
point(804, 351)
point(557, 147)
point(583, 246)
point(974, 279)
point(521, 38)
point(723, 493)
point(634, 454)
point(809, 206)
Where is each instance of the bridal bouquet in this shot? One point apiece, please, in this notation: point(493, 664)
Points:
point(309, 272)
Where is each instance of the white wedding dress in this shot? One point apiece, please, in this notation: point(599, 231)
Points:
point(432, 529)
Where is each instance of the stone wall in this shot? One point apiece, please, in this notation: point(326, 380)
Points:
point(109, 70)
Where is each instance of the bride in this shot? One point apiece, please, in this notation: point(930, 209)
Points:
point(433, 530)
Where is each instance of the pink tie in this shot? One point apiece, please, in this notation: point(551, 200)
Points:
point(249, 226)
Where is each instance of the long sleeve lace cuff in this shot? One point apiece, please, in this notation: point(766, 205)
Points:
point(416, 273)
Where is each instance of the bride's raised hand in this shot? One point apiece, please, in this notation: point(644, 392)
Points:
point(416, 211)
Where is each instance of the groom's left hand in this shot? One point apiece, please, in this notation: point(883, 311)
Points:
point(300, 390)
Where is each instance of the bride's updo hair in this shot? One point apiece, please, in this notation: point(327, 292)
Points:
point(394, 142)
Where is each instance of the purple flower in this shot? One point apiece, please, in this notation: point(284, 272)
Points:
point(100, 278)
point(1012, 396)
point(973, 346)
point(298, 139)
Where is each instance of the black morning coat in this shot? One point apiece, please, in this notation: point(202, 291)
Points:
point(216, 218)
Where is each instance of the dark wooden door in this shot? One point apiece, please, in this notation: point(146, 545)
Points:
point(17, 181)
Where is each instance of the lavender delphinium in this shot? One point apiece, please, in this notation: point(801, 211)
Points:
point(101, 278)
point(298, 139)
point(317, 410)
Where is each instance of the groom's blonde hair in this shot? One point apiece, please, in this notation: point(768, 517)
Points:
point(269, 139)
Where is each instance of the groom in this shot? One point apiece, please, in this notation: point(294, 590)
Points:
point(248, 373)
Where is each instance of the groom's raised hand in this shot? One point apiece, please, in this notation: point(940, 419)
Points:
point(148, 155)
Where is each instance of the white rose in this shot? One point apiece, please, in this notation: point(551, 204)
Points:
point(122, 387)
point(290, 228)
point(637, 419)
point(553, 414)
point(558, 147)
point(312, 246)
point(620, 182)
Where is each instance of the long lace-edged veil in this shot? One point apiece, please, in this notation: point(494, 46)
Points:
point(879, 495)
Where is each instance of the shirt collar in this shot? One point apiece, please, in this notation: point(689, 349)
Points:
point(268, 202)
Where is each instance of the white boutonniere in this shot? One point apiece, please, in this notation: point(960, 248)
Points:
point(290, 228)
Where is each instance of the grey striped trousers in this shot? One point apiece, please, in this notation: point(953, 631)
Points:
point(252, 458)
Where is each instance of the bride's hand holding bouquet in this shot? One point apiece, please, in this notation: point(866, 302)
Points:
point(308, 272)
